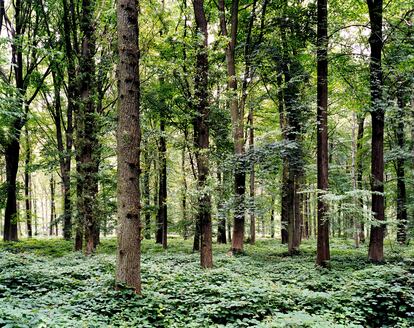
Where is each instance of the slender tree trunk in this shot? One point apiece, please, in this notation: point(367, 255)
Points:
point(360, 170)
point(272, 219)
point(237, 118)
point(184, 196)
point(285, 170)
point(27, 186)
point(323, 252)
point(79, 227)
point(252, 182)
point(201, 137)
point(221, 211)
point(128, 145)
point(376, 242)
point(147, 195)
point(66, 157)
point(52, 207)
point(162, 225)
point(400, 168)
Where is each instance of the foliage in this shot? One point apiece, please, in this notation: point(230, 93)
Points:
point(44, 284)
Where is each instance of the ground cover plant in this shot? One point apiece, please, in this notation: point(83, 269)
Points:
point(44, 284)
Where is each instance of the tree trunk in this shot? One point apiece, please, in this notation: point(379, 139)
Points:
point(272, 219)
point(88, 147)
point(147, 195)
point(128, 145)
point(201, 137)
point(221, 211)
point(52, 207)
point(237, 118)
point(184, 196)
point(162, 223)
point(252, 182)
point(27, 186)
point(323, 252)
point(360, 170)
point(400, 168)
point(10, 214)
point(66, 157)
point(376, 242)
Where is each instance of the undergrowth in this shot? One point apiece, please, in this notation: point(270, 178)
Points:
point(44, 284)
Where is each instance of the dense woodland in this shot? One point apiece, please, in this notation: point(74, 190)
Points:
point(249, 162)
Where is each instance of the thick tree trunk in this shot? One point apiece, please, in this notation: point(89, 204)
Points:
point(376, 242)
point(323, 252)
point(128, 145)
point(12, 148)
point(10, 214)
point(400, 168)
point(88, 147)
point(201, 137)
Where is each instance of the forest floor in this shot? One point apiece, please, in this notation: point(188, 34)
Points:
point(44, 284)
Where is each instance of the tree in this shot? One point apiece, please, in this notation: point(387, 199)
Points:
point(237, 118)
point(376, 241)
point(201, 135)
point(323, 255)
point(128, 145)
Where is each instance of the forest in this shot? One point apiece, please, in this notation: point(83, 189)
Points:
point(206, 163)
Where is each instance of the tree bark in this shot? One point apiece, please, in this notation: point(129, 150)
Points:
point(402, 219)
point(27, 186)
point(128, 145)
point(201, 136)
point(162, 223)
point(237, 118)
point(323, 252)
point(376, 242)
point(221, 211)
point(360, 170)
point(66, 156)
point(147, 195)
point(87, 141)
point(53, 223)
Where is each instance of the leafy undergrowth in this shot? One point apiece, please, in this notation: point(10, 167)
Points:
point(44, 284)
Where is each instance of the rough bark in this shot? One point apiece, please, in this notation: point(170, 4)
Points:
point(128, 146)
point(323, 252)
point(376, 242)
point(201, 136)
point(87, 143)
